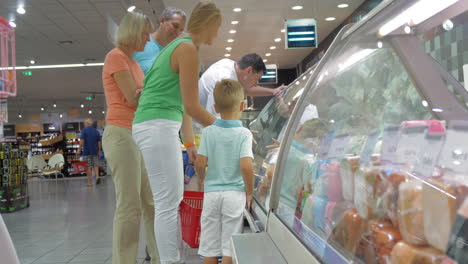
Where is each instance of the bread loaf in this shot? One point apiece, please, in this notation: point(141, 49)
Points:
point(410, 212)
point(404, 253)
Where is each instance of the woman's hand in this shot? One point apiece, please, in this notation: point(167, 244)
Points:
point(192, 152)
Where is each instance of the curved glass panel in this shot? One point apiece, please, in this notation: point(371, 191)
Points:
point(270, 125)
point(378, 174)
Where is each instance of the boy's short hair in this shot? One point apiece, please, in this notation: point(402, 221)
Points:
point(228, 94)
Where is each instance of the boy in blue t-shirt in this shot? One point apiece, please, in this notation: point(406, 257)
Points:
point(226, 147)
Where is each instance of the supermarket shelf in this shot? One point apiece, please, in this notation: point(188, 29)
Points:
point(51, 141)
point(48, 156)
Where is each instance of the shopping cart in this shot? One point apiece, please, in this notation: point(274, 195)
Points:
point(190, 213)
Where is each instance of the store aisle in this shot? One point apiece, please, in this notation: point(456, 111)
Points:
point(69, 222)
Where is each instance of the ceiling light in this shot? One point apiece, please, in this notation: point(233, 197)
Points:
point(82, 105)
point(32, 61)
point(265, 60)
point(448, 25)
point(235, 22)
point(56, 66)
point(54, 105)
point(268, 54)
point(438, 110)
point(20, 116)
point(277, 39)
point(90, 111)
point(330, 19)
point(227, 55)
point(303, 78)
point(21, 10)
point(232, 31)
point(379, 44)
point(425, 103)
point(237, 9)
point(230, 40)
point(103, 112)
point(283, 30)
point(297, 7)
point(272, 47)
point(407, 29)
point(42, 108)
point(298, 82)
point(12, 24)
point(61, 115)
point(131, 8)
point(228, 48)
point(343, 5)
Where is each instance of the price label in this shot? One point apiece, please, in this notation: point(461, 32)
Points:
point(339, 146)
point(411, 141)
point(454, 155)
point(325, 145)
point(390, 139)
point(428, 154)
point(369, 147)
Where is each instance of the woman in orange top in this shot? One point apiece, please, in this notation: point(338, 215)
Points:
point(123, 80)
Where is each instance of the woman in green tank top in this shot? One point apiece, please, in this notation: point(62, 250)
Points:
point(168, 103)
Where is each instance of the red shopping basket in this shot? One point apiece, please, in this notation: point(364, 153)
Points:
point(190, 213)
point(80, 167)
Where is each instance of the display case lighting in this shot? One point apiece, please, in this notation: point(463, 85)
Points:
point(228, 48)
point(21, 10)
point(277, 39)
point(232, 31)
point(298, 7)
point(12, 24)
point(131, 8)
point(235, 22)
point(230, 40)
point(237, 9)
point(425, 103)
point(342, 5)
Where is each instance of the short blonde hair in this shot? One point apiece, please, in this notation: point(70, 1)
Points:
point(203, 14)
point(131, 28)
point(89, 121)
point(228, 94)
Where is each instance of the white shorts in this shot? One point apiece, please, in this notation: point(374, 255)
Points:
point(222, 217)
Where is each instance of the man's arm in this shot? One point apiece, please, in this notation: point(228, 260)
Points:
point(248, 176)
point(82, 141)
point(263, 91)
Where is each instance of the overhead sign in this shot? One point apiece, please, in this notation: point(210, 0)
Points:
point(271, 74)
point(300, 33)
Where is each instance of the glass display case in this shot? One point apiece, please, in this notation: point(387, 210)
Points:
point(365, 158)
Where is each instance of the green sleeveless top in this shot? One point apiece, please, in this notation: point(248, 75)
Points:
point(161, 97)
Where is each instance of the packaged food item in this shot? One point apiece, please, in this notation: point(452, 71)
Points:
point(334, 212)
point(307, 212)
point(404, 253)
point(381, 240)
point(319, 207)
point(410, 212)
point(439, 203)
point(390, 196)
point(348, 168)
point(348, 231)
point(368, 192)
point(457, 248)
point(334, 191)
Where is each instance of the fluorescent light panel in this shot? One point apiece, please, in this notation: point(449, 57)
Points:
point(56, 66)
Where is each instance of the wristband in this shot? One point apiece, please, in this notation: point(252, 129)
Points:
point(189, 144)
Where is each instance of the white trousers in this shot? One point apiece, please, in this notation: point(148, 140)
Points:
point(159, 143)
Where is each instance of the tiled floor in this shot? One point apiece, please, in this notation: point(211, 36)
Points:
point(69, 222)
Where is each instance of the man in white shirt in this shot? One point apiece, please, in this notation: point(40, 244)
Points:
point(248, 71)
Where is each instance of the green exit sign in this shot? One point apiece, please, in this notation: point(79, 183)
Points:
point(27, 73)
point(89, 98)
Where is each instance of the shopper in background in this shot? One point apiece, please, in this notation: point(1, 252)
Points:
point(171, 25)
point(225, 144)
point(122, 77)
point(170, 96)
point(90, 143)
point(248, 71)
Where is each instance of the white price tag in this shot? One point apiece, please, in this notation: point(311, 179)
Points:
point(411, 140)
point(325, 145)
point(369, 147)
point(454, 155)
point(339, 146)
point(428, 154)
point(390, 139)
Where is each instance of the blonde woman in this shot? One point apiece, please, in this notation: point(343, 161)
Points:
point(170, 97)
point(122, 79)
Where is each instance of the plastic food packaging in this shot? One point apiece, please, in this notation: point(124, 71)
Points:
point(391, 195)
point(348, 168)
point(410, 212)
point(380, 241)
point(368, 192)
point(348, 231)
point(334, 212)
point(457, 248)
point(404, 253)
point(439, 201)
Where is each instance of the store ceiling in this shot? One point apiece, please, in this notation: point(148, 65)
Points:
point(47, 23)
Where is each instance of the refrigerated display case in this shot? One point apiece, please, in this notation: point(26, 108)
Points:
point(364, 159)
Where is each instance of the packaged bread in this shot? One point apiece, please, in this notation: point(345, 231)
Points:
point(390, 196)
point(348, 231)
point(457, 248)
point(439, 203)
point(348, 168)
point(368, 192)
point(405, 253)
point(410, 212)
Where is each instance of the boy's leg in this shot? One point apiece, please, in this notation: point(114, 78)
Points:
point(210, 238)
point(89, 170)
point(232, 220)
